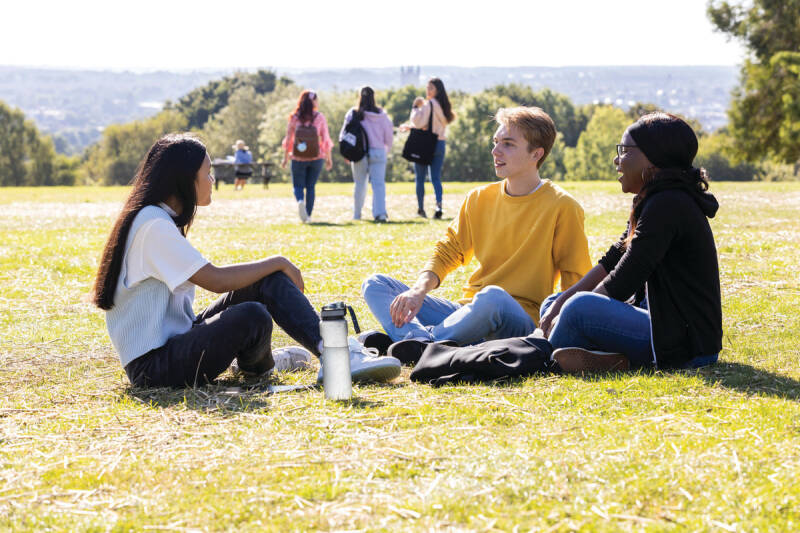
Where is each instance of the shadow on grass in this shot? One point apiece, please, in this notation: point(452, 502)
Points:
point(735, 376)
point(227, 397)
point(407, 222)
point(750, 380)
point(400, 222)
point(326, 224)
point(223, 396)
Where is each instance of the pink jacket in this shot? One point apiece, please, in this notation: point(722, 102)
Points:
point(325, 142)
point(378, 127)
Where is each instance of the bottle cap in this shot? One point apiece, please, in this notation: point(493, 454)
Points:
point(334, 311)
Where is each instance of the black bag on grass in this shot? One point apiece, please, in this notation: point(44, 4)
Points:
point(443, 362)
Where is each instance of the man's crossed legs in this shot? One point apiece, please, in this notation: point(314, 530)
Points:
point(492, 314)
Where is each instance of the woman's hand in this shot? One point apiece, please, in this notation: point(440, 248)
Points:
point(549, 319)
point(288, 268)
point(328, 162)
point(285, 159)
point(404, 127)
point(419, 101)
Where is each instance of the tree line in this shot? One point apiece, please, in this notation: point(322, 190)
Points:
point(760, 142)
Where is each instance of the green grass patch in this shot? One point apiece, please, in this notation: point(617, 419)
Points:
point(716, 449)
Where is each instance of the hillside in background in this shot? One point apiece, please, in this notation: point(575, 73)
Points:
point(76, 105)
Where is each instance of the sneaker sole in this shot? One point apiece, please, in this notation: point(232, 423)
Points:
point(578, 360)
point(380, 373)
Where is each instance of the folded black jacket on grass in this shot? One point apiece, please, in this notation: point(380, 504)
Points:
point(444, 362)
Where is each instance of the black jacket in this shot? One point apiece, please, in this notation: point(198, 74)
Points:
point(444, 362)
point(674, 259)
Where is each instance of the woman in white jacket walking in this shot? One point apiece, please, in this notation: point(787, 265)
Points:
point(378, 127)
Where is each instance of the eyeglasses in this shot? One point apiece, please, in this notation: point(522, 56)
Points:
point(623, 148)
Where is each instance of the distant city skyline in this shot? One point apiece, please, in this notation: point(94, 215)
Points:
point(182, 35)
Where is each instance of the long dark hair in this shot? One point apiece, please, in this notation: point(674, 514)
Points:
point(168, 170)
point(444, 101)
point(304, 111)
point(673, 145)
point(366, 102)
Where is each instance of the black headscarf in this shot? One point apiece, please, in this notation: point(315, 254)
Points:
point(670, 144)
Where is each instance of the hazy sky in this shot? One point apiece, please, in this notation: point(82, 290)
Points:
point(179, 34)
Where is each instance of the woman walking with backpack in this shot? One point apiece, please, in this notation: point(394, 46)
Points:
point(377, 126)
point(439, 104)
point(308, 143)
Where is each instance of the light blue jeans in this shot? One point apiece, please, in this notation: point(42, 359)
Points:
point(596, 322)
point(372, 167)
point(492, 314)
point(435, 168)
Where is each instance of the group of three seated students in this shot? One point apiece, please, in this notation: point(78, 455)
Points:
point(653, 300)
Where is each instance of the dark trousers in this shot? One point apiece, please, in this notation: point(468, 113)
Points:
point(238, 325)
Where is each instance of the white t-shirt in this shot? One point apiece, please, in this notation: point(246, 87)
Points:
point(160, 251)
point(153, 300)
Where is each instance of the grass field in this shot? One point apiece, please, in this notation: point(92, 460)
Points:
point(710, 450)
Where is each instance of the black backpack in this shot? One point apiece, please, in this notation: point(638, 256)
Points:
point(353, 144)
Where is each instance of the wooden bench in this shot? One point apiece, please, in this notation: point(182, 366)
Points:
point(224, 170)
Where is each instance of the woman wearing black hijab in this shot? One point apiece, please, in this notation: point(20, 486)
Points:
point(653, 300)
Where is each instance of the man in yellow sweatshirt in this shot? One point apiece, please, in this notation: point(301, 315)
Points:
point(526, 233)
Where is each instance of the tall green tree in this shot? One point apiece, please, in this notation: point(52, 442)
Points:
point(203, 102)
point(240, 119)
point(397, 102)
point(28, 157)
point(765, 110)
point(716, 154)
point(592, 158)
point(570, 121)
point(637, 110)
point(469, 138)
point(15, 136)
point(113, 160)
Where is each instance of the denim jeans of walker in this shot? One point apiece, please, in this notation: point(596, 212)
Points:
point(492, 314)
point(435, 170)
point(596, 322)
point(237, 325)
point(304, 181)
point(372, 168)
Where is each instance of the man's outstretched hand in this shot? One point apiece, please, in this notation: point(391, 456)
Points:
point(405, 306)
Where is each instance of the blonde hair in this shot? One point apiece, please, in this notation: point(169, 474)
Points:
point(536, 126)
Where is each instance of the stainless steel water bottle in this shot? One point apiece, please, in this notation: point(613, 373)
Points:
point(336, 380)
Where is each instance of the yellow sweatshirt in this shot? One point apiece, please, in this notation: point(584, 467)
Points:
point(523, 244)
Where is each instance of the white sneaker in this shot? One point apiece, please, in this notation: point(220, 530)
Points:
point(291, 359)
point(301, 210)
point(367, 365)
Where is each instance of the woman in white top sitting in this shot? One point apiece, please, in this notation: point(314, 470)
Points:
point(148, 273)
